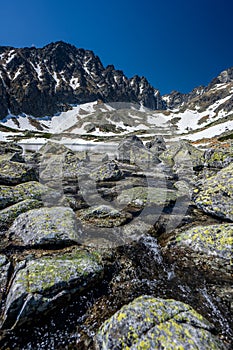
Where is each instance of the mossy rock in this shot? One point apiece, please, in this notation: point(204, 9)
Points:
point(140, 197)
point(41, 284)
point(207, 248)
point(45, 226)
point(216, 194)
point(103, 216)
point(149, 323)
point(10, 147)
point(9, 214)
point(13, 173)
point(109, 171)
point(10, 195)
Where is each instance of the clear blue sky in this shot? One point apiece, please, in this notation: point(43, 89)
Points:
point(175, 44)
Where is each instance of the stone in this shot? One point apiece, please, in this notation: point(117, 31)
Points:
point(104, 216)
point(4, 271)
point(13, 173)
point(40, 285)
point(10, 195)
point(154, 323)
point(205, 248)
point(109, 171)
point(215, 196)
point(9, 214)
point(45, 226)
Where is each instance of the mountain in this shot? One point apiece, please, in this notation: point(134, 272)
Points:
point(48, 80)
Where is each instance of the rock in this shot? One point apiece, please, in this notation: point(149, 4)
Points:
point(140, 197)
point(10, 195)
point(9, 214)
point(109, 171)
point(132, 149)
point(104, 216)
point(153, 323)
point(45, 226)
point(184, 158)
point(215, 196)
point(157, 145)
point(40, 285)
point(10, 147)
point(218, 158)
point(13, 173)
point(4, 271)
point(205, 248)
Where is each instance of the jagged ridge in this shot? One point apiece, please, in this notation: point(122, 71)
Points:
point(45, 81)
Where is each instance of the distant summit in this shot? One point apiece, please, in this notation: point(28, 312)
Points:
point(48, 80)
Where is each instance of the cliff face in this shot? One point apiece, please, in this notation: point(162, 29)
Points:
point(48, 80)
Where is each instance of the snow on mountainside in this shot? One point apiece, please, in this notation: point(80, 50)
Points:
point(66, 91)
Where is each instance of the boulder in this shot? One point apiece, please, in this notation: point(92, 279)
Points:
point(205, 248)
point(40, 285)
point(153, 323)
point(215, 196)
point(103, 216)
point(109, 171)
point(13, 173)
point(4, 271)
point(10, 195)
point(157, 145)
point(9, 214)
point(45, 226)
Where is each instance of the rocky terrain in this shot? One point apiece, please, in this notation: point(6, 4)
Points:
point(124, 251)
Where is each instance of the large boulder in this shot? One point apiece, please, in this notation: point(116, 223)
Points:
point(132, 150)
point(10, 195)
point(45, 226)
point(205, 248)
point(9, 214)
point(40, 285)
point(109, 171)
point(104, 216)
point(13, 173)
point(153, 323)
point(215, 196)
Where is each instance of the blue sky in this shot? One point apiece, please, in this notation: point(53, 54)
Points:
point(175, 44)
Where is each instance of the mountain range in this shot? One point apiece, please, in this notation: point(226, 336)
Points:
point(41, 89)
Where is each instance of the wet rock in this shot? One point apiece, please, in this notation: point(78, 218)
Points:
point(10, 195)
point(109, 171)
point(207, 248)
point(13, 173)
point(9, 214)
point(4, 271)
point(216, 194)
point(104, 216)
point(45, 226)
point(154, 323)
point(40, 285)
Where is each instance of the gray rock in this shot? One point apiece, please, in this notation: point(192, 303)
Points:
point(215, 196)
point(4, 271)
point(9, 214)
point(153, 323)
point(10, 195)
point(109, 171)
point(45, 226)
point(13, 173)
point(40, 285)
point(104, 216)
point(206, 248)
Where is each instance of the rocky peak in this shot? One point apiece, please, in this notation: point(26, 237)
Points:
point(44, 81)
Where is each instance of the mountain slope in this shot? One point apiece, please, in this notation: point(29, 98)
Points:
point(46, 81)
